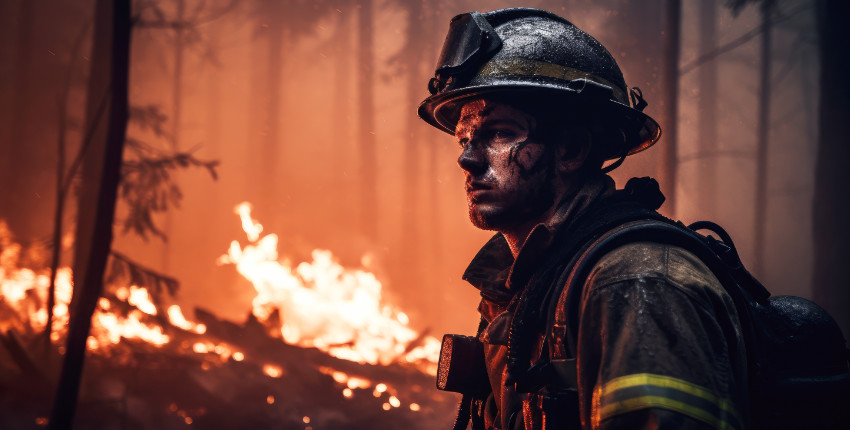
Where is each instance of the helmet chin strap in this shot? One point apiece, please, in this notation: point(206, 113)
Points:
point(614, 165)
point(605, 170)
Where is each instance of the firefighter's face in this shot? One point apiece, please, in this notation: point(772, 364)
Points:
point(508, 174)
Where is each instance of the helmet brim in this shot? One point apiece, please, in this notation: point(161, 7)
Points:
point(639, 130)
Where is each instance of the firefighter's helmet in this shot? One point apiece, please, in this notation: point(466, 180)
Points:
point(541, 58)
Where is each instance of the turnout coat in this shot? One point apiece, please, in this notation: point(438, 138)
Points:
point(659, 342)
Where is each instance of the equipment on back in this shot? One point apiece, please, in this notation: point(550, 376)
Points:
point(539, 56)
point(797, 359)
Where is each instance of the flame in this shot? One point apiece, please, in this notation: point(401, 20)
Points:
point(324, 305)
point(319, 303)
point(25, 291)
point(140, 298)
point(175, 316)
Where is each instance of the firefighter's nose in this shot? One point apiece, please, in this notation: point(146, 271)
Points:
point(472, 160)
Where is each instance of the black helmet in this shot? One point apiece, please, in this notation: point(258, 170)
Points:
point(540, 56)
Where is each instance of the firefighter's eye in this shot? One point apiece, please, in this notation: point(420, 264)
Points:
point(500, 135)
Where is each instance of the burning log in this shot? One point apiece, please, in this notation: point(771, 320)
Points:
point(353, 363)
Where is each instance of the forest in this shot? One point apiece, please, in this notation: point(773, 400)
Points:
point(173, 153)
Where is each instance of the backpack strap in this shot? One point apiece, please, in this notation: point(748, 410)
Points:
point(637, 201)
point(565, 316)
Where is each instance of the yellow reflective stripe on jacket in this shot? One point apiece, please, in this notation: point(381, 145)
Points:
point(645, 390)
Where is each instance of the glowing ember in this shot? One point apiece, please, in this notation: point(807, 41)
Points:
point(110, 328)
point(140, 298)
point(175, 316)
point(273, 370)
point(324, 305)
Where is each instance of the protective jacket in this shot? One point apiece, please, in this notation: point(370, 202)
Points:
point(659, 341)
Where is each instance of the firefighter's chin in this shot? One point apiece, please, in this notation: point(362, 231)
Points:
point(487, 215)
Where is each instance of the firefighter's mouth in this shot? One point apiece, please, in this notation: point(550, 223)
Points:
point(477, 190)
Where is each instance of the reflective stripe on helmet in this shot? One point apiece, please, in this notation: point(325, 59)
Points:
point(645, 390)
point(528, 67)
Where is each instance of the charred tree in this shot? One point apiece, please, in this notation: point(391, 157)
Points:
point(411, 60)
point(272, 144)
point(16, 158)
point(432, 214)
point(176, 85)
point(670, 95)
point(98, 193)
point(763, 130)
point(831, 208)
point(341, 104)
point(366, 121)
point(63, 182)
point(707, 115)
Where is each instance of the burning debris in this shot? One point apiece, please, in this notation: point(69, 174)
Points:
point(319, 350)
point(323, 305)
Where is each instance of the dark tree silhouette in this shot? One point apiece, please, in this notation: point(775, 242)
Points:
point(99, 190)
point(366, 121)
point(831, 208)
point(670, 81)
point(63, 181)
point(707, 116)
point(766, 8)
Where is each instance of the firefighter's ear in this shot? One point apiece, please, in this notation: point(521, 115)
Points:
point(571, 155)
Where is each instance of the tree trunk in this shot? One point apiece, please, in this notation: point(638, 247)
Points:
point(366, 122)
point(101, 175)
point(432, 214)
point(271, 162)
point(177, 87)
point(62, 183)
point(176, 115)
point(670, 72)
point(763, 138)
point(707, 116)
point(341, 105)
point(411, 197)
point(17, 158)
point(831, 208)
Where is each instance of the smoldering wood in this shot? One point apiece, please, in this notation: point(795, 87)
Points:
point(135, 384)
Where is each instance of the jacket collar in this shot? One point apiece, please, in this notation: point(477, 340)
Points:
point(494, 271)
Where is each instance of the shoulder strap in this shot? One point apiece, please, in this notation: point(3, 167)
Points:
point(531, 311)
point(565, 321)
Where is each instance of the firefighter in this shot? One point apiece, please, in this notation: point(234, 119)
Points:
point(541, 114)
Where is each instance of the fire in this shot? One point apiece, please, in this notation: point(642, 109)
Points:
point(321, 304)
point(25, 292)
point(175, 315)
point(317, 304)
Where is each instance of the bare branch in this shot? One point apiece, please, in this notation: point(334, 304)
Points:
point(744, 38)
